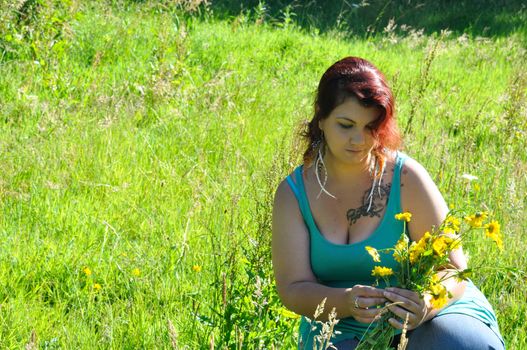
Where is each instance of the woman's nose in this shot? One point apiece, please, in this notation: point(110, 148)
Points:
point(357, 138)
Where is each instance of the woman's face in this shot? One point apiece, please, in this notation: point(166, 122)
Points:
point(348, 131)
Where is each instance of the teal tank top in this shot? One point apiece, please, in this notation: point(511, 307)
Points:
point(345, 265)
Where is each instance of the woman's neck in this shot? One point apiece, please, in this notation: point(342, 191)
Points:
point(340, 172)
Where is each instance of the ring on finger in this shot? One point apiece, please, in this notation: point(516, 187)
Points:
point(357, 303)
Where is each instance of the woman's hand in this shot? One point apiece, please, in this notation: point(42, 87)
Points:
point(407, 303)
point(363, 301)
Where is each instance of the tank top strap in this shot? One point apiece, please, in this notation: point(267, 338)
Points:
point(396, 182)
point(293, 187)
point(399, 162)
point(296, 183)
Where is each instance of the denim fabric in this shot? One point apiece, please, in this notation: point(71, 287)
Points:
point(454, 331)
point(445, 332)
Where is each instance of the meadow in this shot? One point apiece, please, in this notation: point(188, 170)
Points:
point(141, 144)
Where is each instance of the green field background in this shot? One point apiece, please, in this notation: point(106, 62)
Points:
point(143, 140)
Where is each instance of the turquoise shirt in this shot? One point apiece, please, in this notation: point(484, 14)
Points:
point(345, 265)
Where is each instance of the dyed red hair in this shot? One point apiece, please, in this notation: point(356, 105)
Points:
point(354, 77)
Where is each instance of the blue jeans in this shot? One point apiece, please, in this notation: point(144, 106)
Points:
point(444, 332)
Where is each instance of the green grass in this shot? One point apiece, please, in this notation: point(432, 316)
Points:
point(142, 137)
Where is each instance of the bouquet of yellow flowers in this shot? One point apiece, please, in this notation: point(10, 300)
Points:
point(419, 264)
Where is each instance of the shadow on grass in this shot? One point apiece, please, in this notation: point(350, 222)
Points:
point(363, 18)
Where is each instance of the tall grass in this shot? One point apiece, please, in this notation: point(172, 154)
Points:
point(141, 136)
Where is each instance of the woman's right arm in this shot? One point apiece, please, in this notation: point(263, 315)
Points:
point(296, 284)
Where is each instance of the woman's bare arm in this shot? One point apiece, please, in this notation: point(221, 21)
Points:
point(421, 197)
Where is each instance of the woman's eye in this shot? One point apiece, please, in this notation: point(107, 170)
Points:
point(346, 126)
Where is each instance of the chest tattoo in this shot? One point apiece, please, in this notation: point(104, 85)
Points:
point(380, 199)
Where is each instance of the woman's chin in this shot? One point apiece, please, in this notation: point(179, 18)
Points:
point(350, 158)
point(358, 156)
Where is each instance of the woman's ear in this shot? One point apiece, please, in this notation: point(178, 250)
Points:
point(321, 124)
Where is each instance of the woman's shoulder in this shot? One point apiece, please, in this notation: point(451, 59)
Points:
point(416, 182)
point(286, 205)
point(285, 192)
point(421, 197)
point(413, 171)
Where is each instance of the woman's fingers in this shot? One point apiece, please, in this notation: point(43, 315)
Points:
point(395, 324)
point(405, 304)
point(367, 296)
point(408, 294)
point(366, 315)
point(368, 291)
point(408, 304)
point(365, 302)
point(402, 314)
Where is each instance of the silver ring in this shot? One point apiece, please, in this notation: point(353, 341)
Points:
point(357, 303)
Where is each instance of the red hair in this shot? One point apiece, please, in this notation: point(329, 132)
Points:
point(354, 77)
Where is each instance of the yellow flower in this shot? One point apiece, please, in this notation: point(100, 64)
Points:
point(400, 248)
point(416, 249)
point(477, 219)
point(379, 271)
point(426, 237)
point(436, 288)
point(97, 287)
point(406, 216)
point(87, 271)
point(441, 244)
point(451, 225)
point(374, 253)
point(415, 252)
point(438, 293)
point(196, 268)
point(439, 301)
point(492, 228)
point(493, 231)
point(498, 241)
point(136, 272)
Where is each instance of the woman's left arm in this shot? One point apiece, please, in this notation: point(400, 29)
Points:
point(421, 197)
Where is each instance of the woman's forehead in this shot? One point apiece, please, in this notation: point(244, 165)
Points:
point(352, 109)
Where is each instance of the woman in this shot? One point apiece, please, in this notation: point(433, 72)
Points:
point(343, 198)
